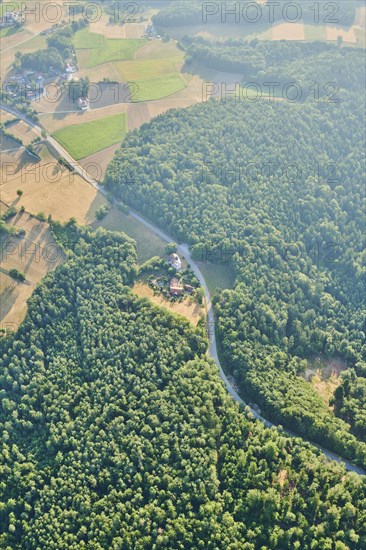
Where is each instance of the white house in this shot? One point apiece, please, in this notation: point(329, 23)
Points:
point(174, 261)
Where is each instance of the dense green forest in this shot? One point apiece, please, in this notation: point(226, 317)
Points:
point(118, 433)
point(283, 62)
point(286, 208)
point(196, 12)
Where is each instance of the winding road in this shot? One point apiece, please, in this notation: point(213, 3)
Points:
point(183, 250)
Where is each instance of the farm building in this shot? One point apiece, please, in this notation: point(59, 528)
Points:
point(175, 287)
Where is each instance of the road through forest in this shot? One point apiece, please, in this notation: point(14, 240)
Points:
point(183, 250)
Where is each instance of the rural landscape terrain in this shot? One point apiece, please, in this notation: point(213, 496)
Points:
point(182, 276)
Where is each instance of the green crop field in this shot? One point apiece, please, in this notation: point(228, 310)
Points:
point(147, 68)
point(114, 49)
point(85, 39)
point(82, 140)
point(157, 88)
point(103, 50)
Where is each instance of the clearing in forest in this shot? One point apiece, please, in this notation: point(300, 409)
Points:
point(188, 308)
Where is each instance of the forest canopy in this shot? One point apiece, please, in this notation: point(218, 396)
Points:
point(286, 208)
point(118, 433)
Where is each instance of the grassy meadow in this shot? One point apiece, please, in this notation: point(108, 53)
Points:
point(82, 140)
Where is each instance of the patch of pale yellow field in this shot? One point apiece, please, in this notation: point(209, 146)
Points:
point(128, 30)
point(137, 114)
point(41, 14)
point(49, 188)
point(156, 49)
point(6, 61)
point(161, 106)
point(135, 30)
point(288, 31)
point(106, 29)
point(13, 40)
point(4, 116)
point(22, 131)
point(188, 308)
point(35, 254)
point(347, 35)
point(96, 74)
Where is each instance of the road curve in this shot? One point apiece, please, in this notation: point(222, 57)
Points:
point(183, 249)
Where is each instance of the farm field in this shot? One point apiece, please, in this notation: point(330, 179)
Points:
point(129, 30)
point(47, 187)
point(35, 254)
point(82, 140)
point(144, 69)
point(21, 130)
point(102, 49)
point(37, 42)
point(96, 164)
point(304, 32)
point(148, 244)
point(154, 78)
point(153, 67)
point(189, 308)
point(156, 49)
point(158, 88)
point(60, 119)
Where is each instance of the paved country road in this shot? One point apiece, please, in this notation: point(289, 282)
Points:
point(184, 251)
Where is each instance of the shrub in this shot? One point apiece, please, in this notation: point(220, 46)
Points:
point(16, 274)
